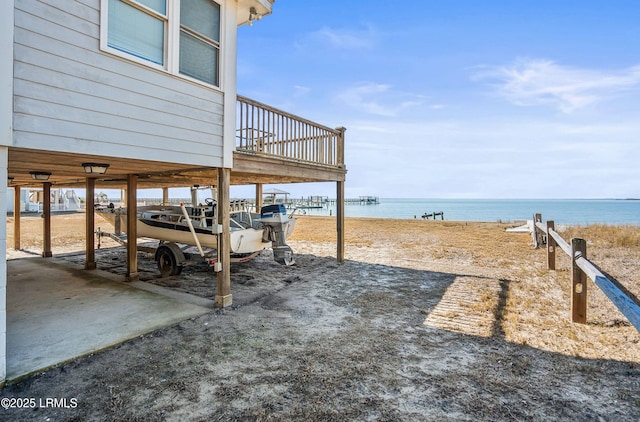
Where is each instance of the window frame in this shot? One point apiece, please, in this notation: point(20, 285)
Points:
point(171, 51)
point(204, 39)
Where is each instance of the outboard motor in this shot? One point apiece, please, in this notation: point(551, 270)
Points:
point(274, 218)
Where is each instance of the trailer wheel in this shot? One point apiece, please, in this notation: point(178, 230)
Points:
point(167, 262)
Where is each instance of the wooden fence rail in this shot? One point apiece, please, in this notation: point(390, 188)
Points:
point(581, 269)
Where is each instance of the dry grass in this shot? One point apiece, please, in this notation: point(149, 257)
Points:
point(535, 306)
point(427, 320)
point(66, 230)
point(533, 303)
point(606, 236)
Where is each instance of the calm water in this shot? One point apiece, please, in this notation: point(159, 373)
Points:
point(562, 211)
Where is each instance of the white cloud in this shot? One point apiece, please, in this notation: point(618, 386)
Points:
point(530, 82)
point(301, 91)
point(517, 157)
point(346, 39)
point(378, 99)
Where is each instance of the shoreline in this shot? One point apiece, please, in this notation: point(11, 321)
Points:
point(38, 215)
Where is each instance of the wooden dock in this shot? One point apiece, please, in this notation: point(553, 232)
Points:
point(363, 200)
point(310, 202)
point(434, 214)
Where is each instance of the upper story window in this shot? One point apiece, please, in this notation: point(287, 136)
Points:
point(199, 39)
point(179, 36)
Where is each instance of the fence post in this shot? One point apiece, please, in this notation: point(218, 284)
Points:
point(551, 246)
point(539, 233)
point(579, 282)
point(536, 234)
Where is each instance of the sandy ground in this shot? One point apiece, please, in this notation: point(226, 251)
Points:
point(426, 320)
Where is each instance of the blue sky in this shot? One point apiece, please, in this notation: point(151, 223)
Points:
point(459, 98)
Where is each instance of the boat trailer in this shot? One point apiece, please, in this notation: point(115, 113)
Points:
point(171, 257)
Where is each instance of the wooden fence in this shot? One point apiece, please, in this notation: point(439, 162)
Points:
point(264, 130)
point(581, 268)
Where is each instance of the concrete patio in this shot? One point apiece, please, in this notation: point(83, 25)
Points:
point(57, 313)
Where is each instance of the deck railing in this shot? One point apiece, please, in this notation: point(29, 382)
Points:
point(264, 130)
point(581, 268)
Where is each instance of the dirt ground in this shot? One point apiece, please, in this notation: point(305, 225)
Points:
point(426, 320)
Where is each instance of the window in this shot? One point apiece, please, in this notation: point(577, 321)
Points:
point(138, 31)
point(179, 36)
point(199, 39)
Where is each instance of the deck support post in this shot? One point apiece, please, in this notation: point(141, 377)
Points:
point(340, 221)
point(16, 217)
point(551, 246)
point(579, 282)
point(194, 195)
point(223, 277)
point(90, 255)
point(258, 196)
point(132, 231)
point(340, 196)
point(165, 196)
point(46, 221)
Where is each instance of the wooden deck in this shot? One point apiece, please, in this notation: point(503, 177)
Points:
point(272, 146)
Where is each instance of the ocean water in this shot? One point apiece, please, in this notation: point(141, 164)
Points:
point(562, 211)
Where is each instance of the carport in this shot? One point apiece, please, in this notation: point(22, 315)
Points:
point(85, 103)
point(70, 312)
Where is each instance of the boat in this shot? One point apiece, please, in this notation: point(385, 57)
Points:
point(250, 233)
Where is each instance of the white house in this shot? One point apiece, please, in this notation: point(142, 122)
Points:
point(145, 86)
point(147, 90)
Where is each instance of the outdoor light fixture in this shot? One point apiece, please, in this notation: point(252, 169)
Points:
point(253, 16)
point(40, 175)
point(10, 179)
point(95, 168)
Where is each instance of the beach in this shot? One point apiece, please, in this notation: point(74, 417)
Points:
point(425, 320)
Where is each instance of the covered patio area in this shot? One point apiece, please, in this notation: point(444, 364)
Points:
point(70, 313)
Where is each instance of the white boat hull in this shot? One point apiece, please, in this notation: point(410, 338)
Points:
point(243, 241)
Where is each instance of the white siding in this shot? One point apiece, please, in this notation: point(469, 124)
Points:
point(6, 101)
point(6, 72)
point(4, 154)
point(229, 63)
point(69, 96)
